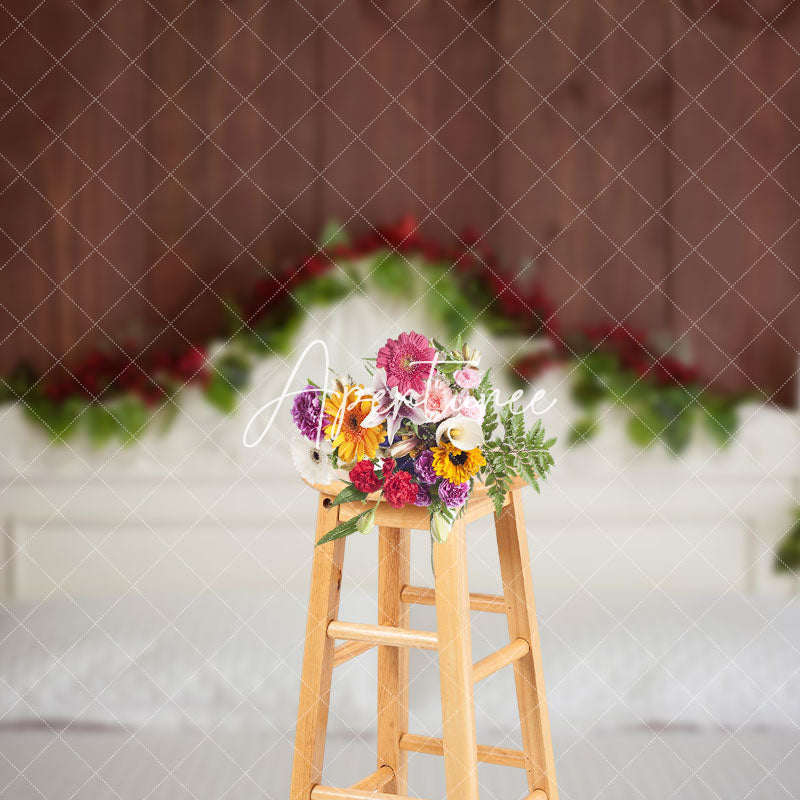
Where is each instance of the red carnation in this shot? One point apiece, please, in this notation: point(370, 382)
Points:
point(364, 478)
point(388, 467)
point(399, 490)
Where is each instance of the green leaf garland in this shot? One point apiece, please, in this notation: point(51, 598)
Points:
point(459, 286)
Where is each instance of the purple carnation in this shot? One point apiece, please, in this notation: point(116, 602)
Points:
point(423, 466)
point(306, 411)
point(454, 495)
point(423, 496)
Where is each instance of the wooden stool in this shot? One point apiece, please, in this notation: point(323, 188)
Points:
point(393, 637)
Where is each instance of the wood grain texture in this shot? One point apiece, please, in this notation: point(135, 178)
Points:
point(735, 159)
point(315, 679)
point(376, 89)
point(641, 162)
point(478, 490)
point(506, 655)
point(512, 545)
point(376, 782)
point(434, 746)
point(455, 665)
point(477, 602)
point(412, 517)
point(394, 552)
point(331, 793)
point(382, 634)
point(582, 169)
point(344, 652)
point(452, 600)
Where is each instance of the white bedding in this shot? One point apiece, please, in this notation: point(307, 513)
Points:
point(180, 697)
point(169, 765)
point(232, 662)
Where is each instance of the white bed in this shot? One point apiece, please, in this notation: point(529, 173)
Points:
point(624, 765)
point(194, 696)
point(670, 648)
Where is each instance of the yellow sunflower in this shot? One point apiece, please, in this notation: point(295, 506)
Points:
point(457, 466)
point(346, 410)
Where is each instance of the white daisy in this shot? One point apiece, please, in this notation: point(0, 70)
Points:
point(313, 463)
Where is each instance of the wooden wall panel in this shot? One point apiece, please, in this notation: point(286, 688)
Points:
point(64, 198)
point(375, 106)
point(640, 159)
point(236, 149)
point(460, 119)
point(188, 244)
point(585, 171)
point(534, 139)
point(735, 290)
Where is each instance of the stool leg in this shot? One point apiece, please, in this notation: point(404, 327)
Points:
point(393, 574)
point(512, 545)
point(315, 682)
point(455, 665)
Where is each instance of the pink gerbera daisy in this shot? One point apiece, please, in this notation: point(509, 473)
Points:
point(404, 360)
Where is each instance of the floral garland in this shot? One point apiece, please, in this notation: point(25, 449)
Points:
point(459, 284)
point(112, 395)
point(613, 365)
point(108, 395)
point(421, 436)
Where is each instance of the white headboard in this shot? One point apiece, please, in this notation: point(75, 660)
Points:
point(193, 508)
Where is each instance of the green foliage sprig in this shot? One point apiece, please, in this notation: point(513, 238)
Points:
point(516, 453)
point(787, 554)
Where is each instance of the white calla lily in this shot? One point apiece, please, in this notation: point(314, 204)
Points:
point(462, 432)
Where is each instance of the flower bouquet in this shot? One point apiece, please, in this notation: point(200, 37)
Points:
point(425, 432)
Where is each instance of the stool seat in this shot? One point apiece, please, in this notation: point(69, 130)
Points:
point(412, 517)
point(393, 637)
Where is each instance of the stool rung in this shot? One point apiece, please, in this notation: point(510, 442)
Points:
point(477, 602)
point(375, 782)
point(539, 794)
point(513, 651)
point(330, 793)
point(414, 743)
point(344, 652)
point(382, 634)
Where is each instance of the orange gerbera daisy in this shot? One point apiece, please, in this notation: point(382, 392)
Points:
point(346, 410)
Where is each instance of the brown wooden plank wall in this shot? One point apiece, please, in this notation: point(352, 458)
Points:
point(640, 158)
